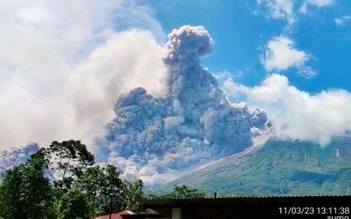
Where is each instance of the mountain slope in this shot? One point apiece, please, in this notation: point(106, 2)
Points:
point(277, 168)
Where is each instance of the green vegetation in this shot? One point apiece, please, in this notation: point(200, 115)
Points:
point(279, 168)
point(78, 189)
point(284, 168)
point(181, 192)
point(24, 192)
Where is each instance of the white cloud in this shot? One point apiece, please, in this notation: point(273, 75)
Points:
point(280, 9)
point(342, 20)
point(285, 9)
point(338, 21)
point(122, 63)
point(297, 114)
point(303, 8)
point(281, 55)
point(45, 46)
point(320, 3)
point(316, 3)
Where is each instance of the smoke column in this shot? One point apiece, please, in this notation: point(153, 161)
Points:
point(154, 138)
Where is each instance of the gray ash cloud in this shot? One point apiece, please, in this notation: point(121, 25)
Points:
point(154, 138)
point(16, 156)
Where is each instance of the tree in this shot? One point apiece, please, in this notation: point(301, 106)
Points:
point(73, 205)
point(113, 190)
point(135, 194)
point(91, 182)
point(107, 192)
point(10, 196)
point(66, 161)
point(77, 189)
point(25, 192)
point(183, 192)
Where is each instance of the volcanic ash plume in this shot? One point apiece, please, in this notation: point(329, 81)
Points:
point(16, 156)
point(153, 137)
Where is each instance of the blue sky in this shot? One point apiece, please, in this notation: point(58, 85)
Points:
point(241, 29)
point(69, 61)
point(294, 53)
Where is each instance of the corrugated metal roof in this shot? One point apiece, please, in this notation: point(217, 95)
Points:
point(116, 215)
point(248, 207)
point(253, 197)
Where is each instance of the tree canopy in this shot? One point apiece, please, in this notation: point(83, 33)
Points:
point(61, 182)
point(25, 192)
point(183, 192)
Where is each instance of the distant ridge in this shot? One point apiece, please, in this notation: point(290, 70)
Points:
point(276, 169)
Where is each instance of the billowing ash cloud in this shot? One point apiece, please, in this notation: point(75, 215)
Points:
point(186, 45)
point(15, 156)
point(154, 138)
